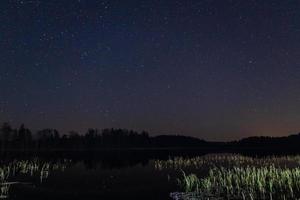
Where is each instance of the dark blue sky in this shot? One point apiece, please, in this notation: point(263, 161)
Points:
point(217, 70)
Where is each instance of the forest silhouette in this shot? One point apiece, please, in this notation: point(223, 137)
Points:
point(23, 138)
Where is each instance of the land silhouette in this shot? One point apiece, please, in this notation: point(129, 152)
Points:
point(23, 139)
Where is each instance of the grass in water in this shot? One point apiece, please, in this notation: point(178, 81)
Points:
point(237, 177)
point(30, 167)
point(245, 183)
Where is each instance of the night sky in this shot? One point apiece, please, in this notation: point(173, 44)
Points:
point(217, 70)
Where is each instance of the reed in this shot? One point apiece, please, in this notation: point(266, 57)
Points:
point(225, 160)
point(28, 167)
point(233, 176)
point(245, 183)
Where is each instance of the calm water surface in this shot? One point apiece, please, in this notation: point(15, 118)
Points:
point(98, 175)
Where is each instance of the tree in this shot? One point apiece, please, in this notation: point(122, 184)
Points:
point(91, 138)
point(5, 133)
point(48, 138)
point(24, 136)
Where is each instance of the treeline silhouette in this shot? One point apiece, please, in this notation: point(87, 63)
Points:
point(23, 138)
point(46, 139)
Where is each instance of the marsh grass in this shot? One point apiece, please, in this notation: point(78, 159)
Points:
point(236, 177)
point(245, 183)
point(26, 167)
point(225, 160)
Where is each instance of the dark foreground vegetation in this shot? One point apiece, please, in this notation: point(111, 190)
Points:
point(235, 177)
point(23, 138)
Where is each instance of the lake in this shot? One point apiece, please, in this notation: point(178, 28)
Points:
point(95, 175)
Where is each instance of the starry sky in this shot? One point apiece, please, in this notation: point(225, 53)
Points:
point(213, 69)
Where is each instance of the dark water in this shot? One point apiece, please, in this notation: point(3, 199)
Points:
point(99, 175)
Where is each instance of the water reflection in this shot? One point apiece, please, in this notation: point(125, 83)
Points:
point(110, 159)
point(33, 167)
point(40, 165)
point(106, 173)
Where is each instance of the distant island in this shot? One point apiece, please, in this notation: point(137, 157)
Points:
point(24, 139)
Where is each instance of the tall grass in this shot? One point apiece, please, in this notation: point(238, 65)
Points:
point(245, 183)
point(225, 160)
point(30, 167)
point(237, 177)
